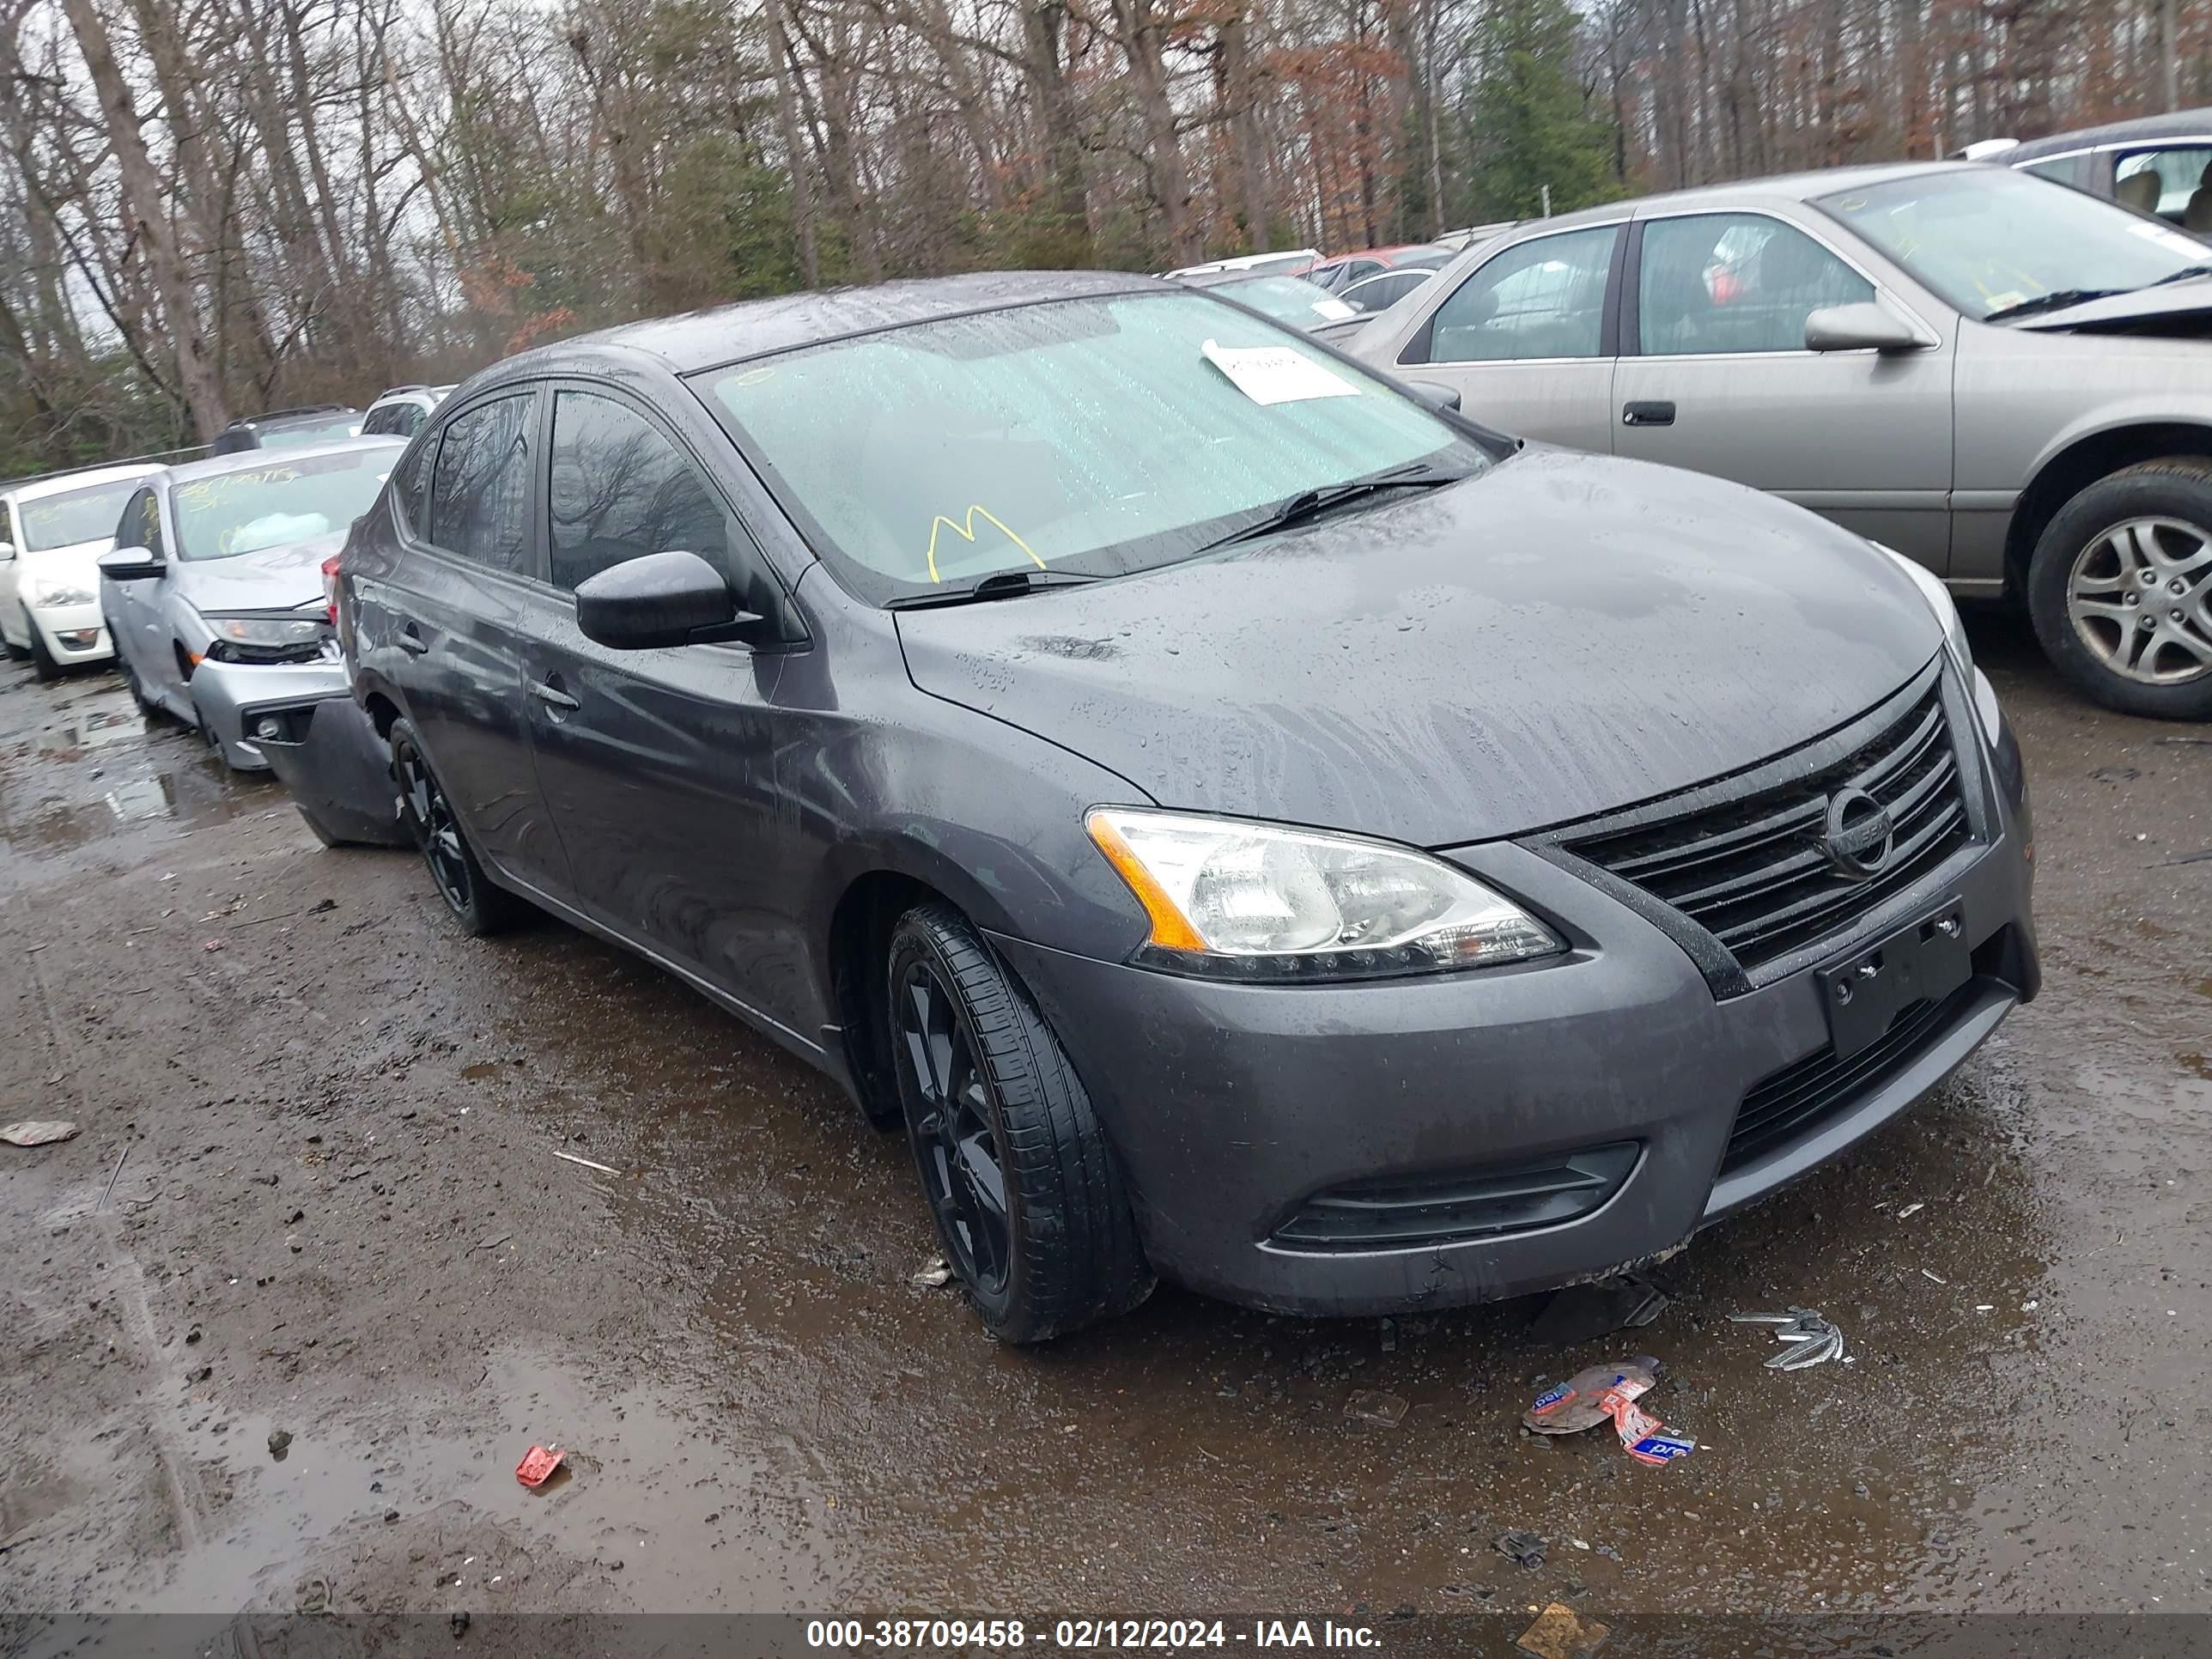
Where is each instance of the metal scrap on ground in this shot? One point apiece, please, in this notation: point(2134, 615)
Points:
point(1811, 1339)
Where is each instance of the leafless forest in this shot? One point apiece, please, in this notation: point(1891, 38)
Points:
point(209, 207)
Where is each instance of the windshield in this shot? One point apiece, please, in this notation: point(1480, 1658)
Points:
point(1286, 299)
point(1099, 436)
point(1989, 240)
point(89, 515)
point(274, 504)
point(290, 437)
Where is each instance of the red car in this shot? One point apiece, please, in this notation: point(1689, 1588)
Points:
point(1339, 273)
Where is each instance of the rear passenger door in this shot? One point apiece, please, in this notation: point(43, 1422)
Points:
point(1526, 338)
point(659, 766)
point(452, 604)
point(1715, 376)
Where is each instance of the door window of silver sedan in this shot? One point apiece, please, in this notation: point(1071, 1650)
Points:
point(1542, 298)
point(1716, 283)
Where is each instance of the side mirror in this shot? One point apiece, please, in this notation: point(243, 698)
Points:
point(1866, 326)
point(1436, 397)
point(131, 564)
point(660, 600)
point(7, 551)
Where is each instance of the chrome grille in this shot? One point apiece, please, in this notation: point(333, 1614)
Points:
point(1753, 872)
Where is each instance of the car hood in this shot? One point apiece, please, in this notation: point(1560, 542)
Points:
point(1563, 635)
point(78, 562)
point(276, 579)
point(2183, 310)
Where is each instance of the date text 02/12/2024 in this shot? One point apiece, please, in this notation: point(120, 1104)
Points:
point(856, 1635)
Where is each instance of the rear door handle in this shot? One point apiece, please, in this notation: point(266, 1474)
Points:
point(1647, 414)
point(548, 692)
point(411, 641)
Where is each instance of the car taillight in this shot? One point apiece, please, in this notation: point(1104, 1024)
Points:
point(331, 586)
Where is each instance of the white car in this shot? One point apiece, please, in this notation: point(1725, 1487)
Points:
point(1295, 259)
point(52, 531)
point(401, 410)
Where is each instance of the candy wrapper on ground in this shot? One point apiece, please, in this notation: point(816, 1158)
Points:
point(1589, 1397)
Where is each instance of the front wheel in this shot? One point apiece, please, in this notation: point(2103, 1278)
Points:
point(2120, 590)
point(41, 659)
point(476, 904)
point(1027, 1195)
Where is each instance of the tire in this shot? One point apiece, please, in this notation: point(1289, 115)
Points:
point(41, 659)
point(981, 1076)
point(480, 907)
point(146, 706)
point(2087, 594)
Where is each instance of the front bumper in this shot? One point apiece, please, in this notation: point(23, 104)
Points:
point(72, 633)
point(1234, 1106)
point(223, 691)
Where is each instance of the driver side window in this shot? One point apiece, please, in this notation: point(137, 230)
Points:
point(1721, 283)
point(621, 490)
point(142, 523)
point(1544, 298)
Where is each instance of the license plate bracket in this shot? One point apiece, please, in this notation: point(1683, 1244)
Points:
point(1923, 960)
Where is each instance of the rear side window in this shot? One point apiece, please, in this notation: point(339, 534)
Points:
point(1544, 298)
point(393, 420)
point(621, 490)
point(480, 484)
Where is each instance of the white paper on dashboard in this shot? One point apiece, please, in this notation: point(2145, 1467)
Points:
point(1276, 374)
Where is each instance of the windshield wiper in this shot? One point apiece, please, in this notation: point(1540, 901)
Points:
point(1310, 504)
point(1003, 585)
point(2054, 301)
point(2181, 275)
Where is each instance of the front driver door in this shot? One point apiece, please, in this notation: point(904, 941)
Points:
point(1525, 339)
point(659, 766)
point(1715, 376)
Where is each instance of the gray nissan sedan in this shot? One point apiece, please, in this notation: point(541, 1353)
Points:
point(2005, 380)
point(1245, 823)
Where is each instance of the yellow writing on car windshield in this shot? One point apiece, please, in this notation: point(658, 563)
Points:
point(966, 532)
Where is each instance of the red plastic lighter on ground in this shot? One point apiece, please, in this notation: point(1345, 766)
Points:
point(537, 1465)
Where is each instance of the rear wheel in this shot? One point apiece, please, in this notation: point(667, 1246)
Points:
point(2120, 590)
point(476, 904)
point(1027, 1195)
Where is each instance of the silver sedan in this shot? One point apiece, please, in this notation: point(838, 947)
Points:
point(214, 593)
point(2005, 380)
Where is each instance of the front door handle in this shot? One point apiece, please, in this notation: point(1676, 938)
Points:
point(548, 692)
point(1647, 414)
point(412, 641)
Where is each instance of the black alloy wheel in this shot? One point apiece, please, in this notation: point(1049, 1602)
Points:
point(1027, 1195)
point(476, 904)
point(963, 1170)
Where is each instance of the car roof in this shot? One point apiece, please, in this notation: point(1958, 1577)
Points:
point(2174, 124)
point(1782, 187)
point(305, 415)
point(32, 489)
point(751, 328)
point(249, 460)
point(1223, 278)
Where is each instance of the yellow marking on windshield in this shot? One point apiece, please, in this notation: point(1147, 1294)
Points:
point(967, 533)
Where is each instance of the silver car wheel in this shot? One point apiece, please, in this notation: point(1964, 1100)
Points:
point(2139, 597)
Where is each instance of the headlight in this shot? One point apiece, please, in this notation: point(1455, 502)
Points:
point(46, 591)
point(270, 633)
point(1237, 900)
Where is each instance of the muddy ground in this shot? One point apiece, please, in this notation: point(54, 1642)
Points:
point(316, 1192)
